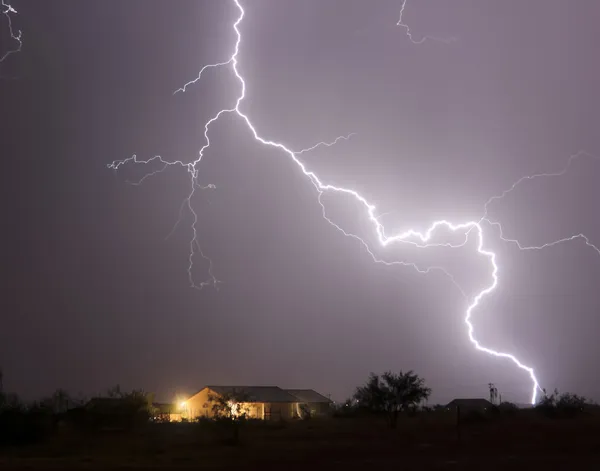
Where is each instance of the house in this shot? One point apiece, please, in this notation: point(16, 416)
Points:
point(470, 405)
point(258, 402)
point(316, 404)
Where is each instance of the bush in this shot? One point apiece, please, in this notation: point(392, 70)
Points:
point(22, 426)
point(566, 404)
point(508, 408)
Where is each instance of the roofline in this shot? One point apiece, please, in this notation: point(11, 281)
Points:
point(242, 387)
point(312, 390)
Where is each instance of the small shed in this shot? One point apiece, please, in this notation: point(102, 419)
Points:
point(471, 405)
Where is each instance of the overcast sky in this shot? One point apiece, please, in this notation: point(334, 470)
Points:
point(95, 293)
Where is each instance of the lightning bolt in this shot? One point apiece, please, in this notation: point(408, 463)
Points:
point(7, 11)
point(424, 38)
point(412, 237)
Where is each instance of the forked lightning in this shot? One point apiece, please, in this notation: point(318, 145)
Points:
point(7, 11)
point(413, 237)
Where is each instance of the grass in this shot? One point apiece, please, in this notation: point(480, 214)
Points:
point(427, 441)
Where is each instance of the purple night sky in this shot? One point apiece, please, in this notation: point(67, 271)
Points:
point(96, 294)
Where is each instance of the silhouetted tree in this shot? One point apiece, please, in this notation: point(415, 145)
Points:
point(230, 405)
point(119, 410)
point(569, 403)
point(60, 402)
point(392, 393)
point(114, 392)
point(233, 408)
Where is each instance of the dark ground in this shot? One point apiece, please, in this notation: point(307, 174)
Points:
point(527, 441)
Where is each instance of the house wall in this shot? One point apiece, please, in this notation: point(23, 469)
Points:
point(254, 410)
point(319, 408)
point(280, 410)
point(199, 405)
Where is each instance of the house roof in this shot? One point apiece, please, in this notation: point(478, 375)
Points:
point(475, 403)
point(308, 395)
point(256, 393)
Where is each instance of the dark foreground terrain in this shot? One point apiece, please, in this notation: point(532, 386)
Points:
point(525, 440)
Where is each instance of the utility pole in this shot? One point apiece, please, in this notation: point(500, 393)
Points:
point(493, 393)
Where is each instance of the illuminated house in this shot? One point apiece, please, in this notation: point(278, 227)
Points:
point(257, 402)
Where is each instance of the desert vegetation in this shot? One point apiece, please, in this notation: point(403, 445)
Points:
point(383, 424)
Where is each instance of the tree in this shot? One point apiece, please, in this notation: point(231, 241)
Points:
point(230, 405)
point(568, 403)
point(60, 402)
point(571, 402)
point(233, 408)
point(392, 393)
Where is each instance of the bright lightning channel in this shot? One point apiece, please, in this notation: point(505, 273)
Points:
point(413, 237)
point(7, 11)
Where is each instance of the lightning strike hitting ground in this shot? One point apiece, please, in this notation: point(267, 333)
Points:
point(415, 238)
point(7, 11)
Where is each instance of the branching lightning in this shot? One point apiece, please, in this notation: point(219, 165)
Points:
point(410, 35)
point(7, 11)
point(325, 144)
point(413, 237)
point(521, 180)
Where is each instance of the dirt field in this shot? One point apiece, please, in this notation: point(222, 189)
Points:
point(430, 441)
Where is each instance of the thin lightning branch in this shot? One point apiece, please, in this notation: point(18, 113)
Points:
point(209, 66)
point(424, 38)
point(9, 10)
point(560, 173)
point(183, 204)
point(133, 159)
point(548, 244)
point(413, 237)
point(325, 144)
point(528, 178)
point(194, 244)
